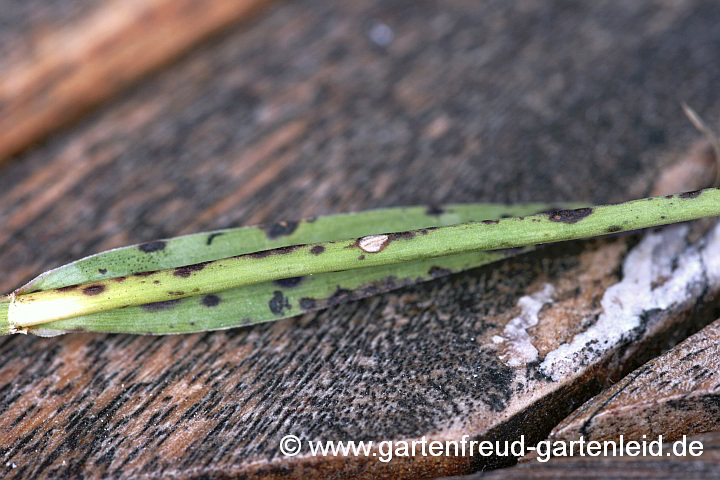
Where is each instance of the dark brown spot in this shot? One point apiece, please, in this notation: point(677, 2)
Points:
point(102, 271)
point(159, 306)
point(67, 289)
point(662, 217)
point(280, 229)
point(487, 222)
point(434, 210)
point(152, 246)
point(569, 216)
point(614, 228)
point(157, 282)
point(210, 300)
point(288, 282)
point(212, 236)
point(401, 236)
point(317, 249)
point(436, 271)
point(692, 194)
point(341, 295)
point(274, 251)
point(361, 257)
point(278, 303)
point(307, 303)
point(185, 271)
point(93, 290)
point(177, 292)
point(144, 274)
point(119, 279)
point(668, 196)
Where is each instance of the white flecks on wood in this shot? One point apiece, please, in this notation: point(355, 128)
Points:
point(519, 349)
point(661, 272)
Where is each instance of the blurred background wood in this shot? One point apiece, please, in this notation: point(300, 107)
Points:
point(313, 108)
point(93, 52)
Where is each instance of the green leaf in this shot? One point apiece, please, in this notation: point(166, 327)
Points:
point(268, 301)
point(244, 281)
point(217, 244)
point(258, 303)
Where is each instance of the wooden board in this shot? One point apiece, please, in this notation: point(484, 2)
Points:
point(73, 58)
point(317, 108)
point(668, 465)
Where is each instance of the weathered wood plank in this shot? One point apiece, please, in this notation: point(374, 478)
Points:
point(96, 54)
point(673, 395)
point(667, 466)
point(312, 110)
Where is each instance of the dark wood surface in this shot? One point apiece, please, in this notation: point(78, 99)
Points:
point(307, 110)
point(672, 395)
point(667, 466)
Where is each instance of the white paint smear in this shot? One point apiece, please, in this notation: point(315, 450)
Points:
point(519, 349)
point(662, 271)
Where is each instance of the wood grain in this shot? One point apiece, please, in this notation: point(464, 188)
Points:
point(665, 467)
point(308, 111)
point(78, 65)
point(673, 395)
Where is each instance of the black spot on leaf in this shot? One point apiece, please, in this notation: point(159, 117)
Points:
point(211, 237)
point(569, 216)
point(401, 236)
point(288, 282)
point(307, 303)
point(692, 194)
point(280, 229)
point(185, 271)
point(144, 274)
point(93, 290)
point(210, 300)
point(278, 303)
point(434, 210)
point(159, 306)
point(274, 251)
point(152, 246)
